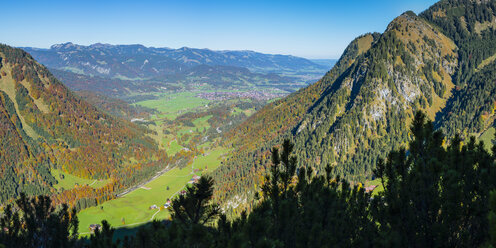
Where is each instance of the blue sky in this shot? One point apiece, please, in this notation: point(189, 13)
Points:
point(311, 29)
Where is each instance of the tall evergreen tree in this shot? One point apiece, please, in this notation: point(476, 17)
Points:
point(34, 222)
point(434, 196)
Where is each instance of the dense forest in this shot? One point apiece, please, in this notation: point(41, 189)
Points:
point(434, 196)
point(45, 126)
point(115, 107)
point(440, 62)
point(471, 27)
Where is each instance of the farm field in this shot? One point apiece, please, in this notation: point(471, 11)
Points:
point(172, 146)
point(169, 107)
point(174, 104)
point(172, 134)
point(133, 209)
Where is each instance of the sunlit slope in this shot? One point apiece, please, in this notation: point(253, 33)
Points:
point(45, 125)
point(363, 107)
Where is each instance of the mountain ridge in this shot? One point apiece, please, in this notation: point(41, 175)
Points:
point(128, 69)
point(364, 105)
point(45, 126)
point(159, 61)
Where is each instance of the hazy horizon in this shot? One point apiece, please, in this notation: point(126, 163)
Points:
point(313, 30)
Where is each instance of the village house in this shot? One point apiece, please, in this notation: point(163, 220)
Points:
point(370, 188)
point(167, 204)
point(194, 179)
point(94, 227)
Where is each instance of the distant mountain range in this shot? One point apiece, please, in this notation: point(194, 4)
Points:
point(329, 63)
point(183, 67)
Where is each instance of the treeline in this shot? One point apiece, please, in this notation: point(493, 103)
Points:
point(434, 196)
point(472, 108)
point(24, 167)
point(468, 24)
point(82, 197)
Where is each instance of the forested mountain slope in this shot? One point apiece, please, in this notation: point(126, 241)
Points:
point(439, 62)
point(115, 107)
point(44, 126)
point(255, 137)
point(472, 26)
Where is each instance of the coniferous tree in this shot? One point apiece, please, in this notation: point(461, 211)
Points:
point(434, 196)
point(34, 222)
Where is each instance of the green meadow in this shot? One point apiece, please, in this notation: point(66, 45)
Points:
point(173, 147)
point(69, 181)
point(133, 209)
point(377, 182)
point(488, 137)
point(174, 104)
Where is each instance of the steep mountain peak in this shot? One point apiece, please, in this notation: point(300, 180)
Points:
point(409, 17)
point(357, 47)
point(416, 31)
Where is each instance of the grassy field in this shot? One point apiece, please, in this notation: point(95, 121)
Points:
point(202, 123)
point(172, 105)
point(133, 208)
point(173, 147)
point(376, 182)
point(169, 107)
point(70, 181)
point(247, 112)
point(488, 137)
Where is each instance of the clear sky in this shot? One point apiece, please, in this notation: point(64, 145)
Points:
point(311, 28)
